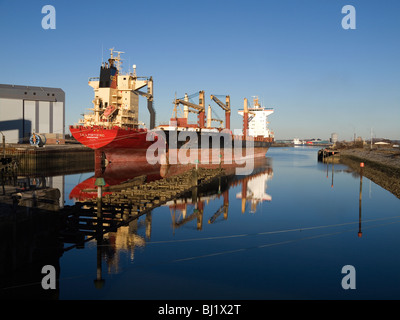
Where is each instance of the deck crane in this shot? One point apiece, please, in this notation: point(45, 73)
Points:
point(149, 96)
point(210, 119)
point(226, 107)
point(217, 214)
point(246, 119)
point(200, 109)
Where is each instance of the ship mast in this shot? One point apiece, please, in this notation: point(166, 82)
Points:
point(117, 59)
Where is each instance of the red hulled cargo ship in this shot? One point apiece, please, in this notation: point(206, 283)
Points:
point(114, 130)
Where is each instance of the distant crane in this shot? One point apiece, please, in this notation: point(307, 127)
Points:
point(246, 119)
point(226, 107)
point(199, 109)
point(210, 118)
point(149, 95)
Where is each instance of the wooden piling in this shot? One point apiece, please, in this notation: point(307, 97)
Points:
point(124, 204)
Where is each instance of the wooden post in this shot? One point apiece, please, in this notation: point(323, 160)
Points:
point(148, 225)
point(4, 146)
point(195, 173)
point(194, 195)
point(99, 281)
point(200, 211)
point(99, 202)
point(2, 182)
point(333, 156)
point(360, 200)
point(327, 168)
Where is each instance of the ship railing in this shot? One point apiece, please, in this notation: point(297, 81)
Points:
point(94, 79)
point(144, 78)
point(258, 138)
point(102, 125)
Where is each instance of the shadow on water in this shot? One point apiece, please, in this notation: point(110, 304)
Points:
point(31, 207)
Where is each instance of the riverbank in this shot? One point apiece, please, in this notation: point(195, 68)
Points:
point(382, 166)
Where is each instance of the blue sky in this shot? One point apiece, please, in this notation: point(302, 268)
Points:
point(293, 54)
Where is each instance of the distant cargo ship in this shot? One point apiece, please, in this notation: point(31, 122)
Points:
point(255, 133)
point(114, 125)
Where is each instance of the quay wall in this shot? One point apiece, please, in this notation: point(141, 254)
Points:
point(380, 166)
point(59, 159)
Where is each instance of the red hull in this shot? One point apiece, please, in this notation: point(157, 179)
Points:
point(98, 137)
point(114, 174)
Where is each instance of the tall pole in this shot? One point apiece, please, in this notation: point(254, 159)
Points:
point(209, 117)
point(333, 165)
point(228, 113)
point(371, 140)
point(202, 112)
point(4, 144)
point(360, 198)
point(185, 107)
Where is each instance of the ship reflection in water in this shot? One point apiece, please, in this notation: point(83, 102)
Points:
point(127, 204)
point(175, 232)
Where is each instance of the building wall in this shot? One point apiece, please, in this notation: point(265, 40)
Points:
point(11, 119)
point(26, 110)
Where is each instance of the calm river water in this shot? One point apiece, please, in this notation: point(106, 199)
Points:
point(285, 233)
point(297, 231)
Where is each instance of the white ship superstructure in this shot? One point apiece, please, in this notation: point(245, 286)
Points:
point(255, 191)
point(116, 101)
point(258, 120)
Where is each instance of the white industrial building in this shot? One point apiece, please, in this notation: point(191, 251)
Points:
point(25, 110)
